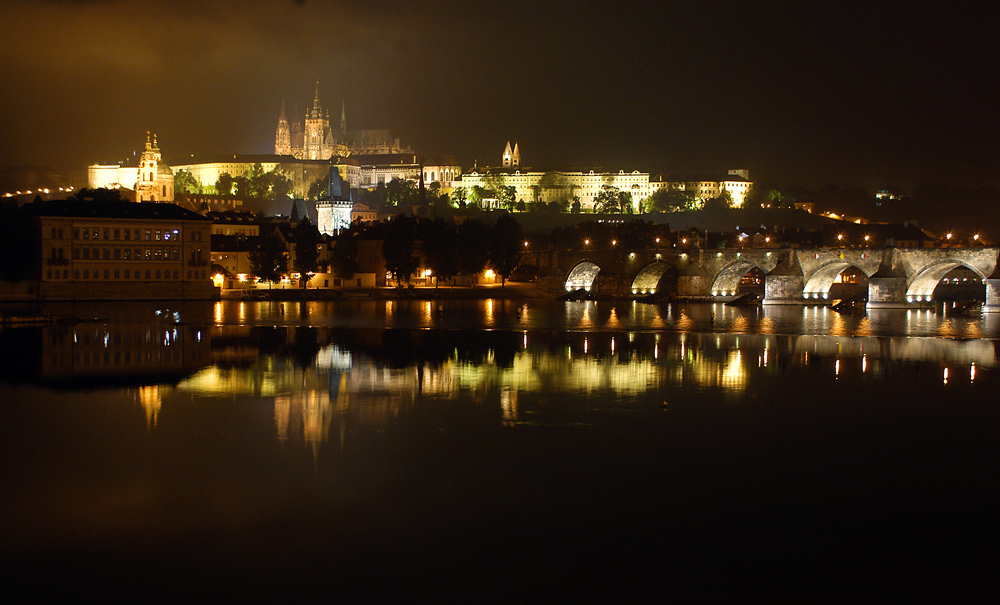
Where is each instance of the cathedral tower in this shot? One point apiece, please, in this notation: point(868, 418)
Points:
point(283, 135)
point(317, 127)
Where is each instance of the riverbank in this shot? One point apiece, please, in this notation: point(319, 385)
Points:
point(508, 291)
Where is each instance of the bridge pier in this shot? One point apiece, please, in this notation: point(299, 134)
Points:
point(993, 292)
point(887, 287)
point(690, 282)
point(783, 285)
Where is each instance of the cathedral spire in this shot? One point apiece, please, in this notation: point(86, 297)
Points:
point(316, 100)
point(343, 117)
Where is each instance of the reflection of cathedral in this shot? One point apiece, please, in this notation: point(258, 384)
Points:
point(314, 139)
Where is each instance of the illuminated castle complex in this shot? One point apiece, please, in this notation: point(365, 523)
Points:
point(314, 139)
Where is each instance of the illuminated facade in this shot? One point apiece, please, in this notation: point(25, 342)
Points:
point(121, 250)
point(531, 185)
point(152, 180)
point(314, 139)
point(736, 182)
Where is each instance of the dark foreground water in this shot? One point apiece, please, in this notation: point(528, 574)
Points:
point(492, 451)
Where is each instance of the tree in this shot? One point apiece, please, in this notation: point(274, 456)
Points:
point(506, 195)
point(505, 246)
point(318, 188)
point(280, 185)
point(671, 200)
point(472, 241)
point(612, 200)
point(440, 240)
point(344, 256)
point(184, 182)
point(460, 195)
point(397, 248)
point(722, 201)
point(400, 192)
point(576, 206)
point(269, 260)
point(225, 183)
point(476, 196)
point(306, 240)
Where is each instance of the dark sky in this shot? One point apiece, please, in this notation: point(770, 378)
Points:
point(856, 94)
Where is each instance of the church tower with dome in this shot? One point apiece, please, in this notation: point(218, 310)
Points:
point(154, 180)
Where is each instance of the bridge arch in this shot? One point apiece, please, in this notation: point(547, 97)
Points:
point(727, 280)
point(922, 285)
point(819, 283)
point(648, 278)
point(582, 276)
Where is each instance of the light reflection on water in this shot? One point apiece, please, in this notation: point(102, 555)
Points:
point(397, 412)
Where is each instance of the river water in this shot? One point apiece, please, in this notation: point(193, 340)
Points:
point(500, 451)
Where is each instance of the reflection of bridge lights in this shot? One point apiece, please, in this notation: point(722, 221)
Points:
point(972, 372)
point(945, 381)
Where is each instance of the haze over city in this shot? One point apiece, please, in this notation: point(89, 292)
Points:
point(847, 93)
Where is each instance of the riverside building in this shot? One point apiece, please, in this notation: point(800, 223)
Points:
point(121, 250)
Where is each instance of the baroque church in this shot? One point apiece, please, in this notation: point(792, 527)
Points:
point(314, 139)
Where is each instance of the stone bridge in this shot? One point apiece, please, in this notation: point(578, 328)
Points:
point(897, 277)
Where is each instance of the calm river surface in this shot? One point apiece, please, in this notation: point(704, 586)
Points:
point(500, 451)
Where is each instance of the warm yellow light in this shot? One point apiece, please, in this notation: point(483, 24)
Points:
point(684, 241)
point(614, 242)
point(867, 238)
point(525, 243)
point(586, 242)
point(657, 240)
point(840, 236)
point(427, 272)
point(489, 274)
point(947, 236)
point(976, 236)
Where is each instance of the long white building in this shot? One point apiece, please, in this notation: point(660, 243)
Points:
point(547, 186)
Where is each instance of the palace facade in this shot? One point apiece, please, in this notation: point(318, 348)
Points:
point(548, 186)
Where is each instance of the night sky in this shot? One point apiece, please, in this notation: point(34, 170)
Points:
point(855, 94)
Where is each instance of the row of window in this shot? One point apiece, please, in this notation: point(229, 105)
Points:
point(144, 254)
point(107, 233)
point(150, 274)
